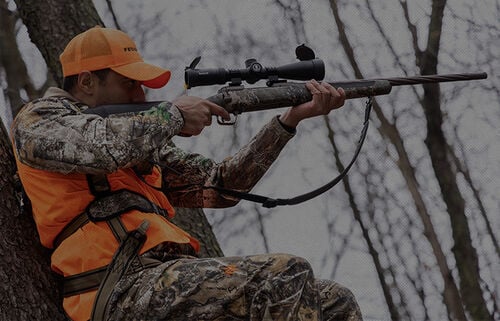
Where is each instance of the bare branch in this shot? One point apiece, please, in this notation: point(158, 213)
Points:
point(113, 14)
point(413, 32)
point(357, 215)
point(293, 12)
point(464, 169)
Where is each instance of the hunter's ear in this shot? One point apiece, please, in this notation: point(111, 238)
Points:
point(86, 82)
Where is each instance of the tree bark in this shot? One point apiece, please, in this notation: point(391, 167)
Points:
point(51, 32)
point(11, 61)
point(29, 289)
point(195, 222)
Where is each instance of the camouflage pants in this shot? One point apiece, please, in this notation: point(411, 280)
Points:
point(261, 287)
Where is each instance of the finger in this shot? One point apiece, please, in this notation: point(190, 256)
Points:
point(336, 93)
point(313, 87)
point(342, 97)
point(325, 88)
point(218, 111)
point(341, 92)
point(328, 86)
point(338, 98)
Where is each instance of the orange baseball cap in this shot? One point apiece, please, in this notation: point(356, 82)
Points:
point(101, 48)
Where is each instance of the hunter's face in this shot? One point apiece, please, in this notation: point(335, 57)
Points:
point(117, 89)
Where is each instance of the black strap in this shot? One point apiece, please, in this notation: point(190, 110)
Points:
point(123, 258)
point(83, 282)
point(273, 202)
point(124, 201)
point(90, 280)
point(71, 228)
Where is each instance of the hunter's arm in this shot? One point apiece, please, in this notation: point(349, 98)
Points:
point(53, 134)
point(241, 171)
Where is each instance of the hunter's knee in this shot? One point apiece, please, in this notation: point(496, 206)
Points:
point(338, 302)
point(291, 264)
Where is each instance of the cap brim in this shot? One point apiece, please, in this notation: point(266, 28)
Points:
point(149, 75)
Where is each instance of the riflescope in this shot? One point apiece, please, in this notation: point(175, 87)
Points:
point(254, 71)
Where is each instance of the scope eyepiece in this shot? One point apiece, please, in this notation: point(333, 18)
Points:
point(254, 71)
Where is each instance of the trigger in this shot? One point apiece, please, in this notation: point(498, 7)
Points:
point(232, 121)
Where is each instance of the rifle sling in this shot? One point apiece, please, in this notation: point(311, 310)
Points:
point(269, 202)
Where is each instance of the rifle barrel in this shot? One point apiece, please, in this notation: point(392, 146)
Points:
point(401, 81)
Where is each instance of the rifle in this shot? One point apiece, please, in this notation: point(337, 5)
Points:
point(279, 93)
point(237, 100)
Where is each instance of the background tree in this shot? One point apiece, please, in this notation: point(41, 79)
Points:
point(456, 298)
point(391, 44)
point(17, 79)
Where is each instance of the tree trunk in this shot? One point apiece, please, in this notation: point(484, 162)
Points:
point(29, 289)
point(463, 250)
point(195, 222)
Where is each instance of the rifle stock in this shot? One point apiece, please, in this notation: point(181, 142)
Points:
point(237, 99)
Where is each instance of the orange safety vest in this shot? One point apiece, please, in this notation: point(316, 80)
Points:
point(58, 198)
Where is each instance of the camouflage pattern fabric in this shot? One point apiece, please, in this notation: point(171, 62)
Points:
point(277, 287)
point(52, 133)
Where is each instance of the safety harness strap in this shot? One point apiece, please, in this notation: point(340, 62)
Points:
point(71, 228)
point(83, 282)
point(122, 201)
point(108, 206)
point(90, 280)
point(122, 262)
point(119, 230)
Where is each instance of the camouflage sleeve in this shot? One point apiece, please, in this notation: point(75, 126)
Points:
point(53, 134)
point(187, 174)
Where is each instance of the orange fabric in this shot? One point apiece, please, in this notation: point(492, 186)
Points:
point(93, 245)
point(101, 48)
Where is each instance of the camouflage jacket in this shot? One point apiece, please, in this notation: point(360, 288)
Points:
point(53, 134)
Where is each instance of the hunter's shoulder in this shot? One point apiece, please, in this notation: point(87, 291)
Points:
point(55, 100)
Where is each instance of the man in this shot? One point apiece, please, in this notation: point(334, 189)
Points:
point(103, 190)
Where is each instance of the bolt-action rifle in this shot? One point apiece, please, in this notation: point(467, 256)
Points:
point(279, 93)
